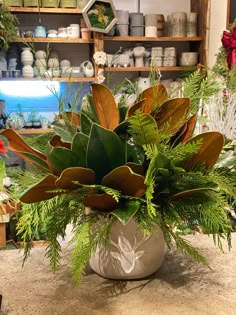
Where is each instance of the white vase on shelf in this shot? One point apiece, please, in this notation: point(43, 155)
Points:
point(139, 53)
point(27, 57)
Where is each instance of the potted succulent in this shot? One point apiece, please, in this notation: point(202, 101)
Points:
point(8, 24)
point(123, 181)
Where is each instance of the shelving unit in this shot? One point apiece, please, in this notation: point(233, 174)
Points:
point(28, 16)
point(102, 42)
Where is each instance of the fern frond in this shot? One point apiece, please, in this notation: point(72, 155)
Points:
point(143, 129)
point(199, 86)
point(224, 181)
point(181, 152)
point(100, 188)
point(185, 247)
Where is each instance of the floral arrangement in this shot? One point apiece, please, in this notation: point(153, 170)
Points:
point(124, 163)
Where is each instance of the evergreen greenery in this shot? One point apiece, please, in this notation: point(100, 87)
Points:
point(8, 24)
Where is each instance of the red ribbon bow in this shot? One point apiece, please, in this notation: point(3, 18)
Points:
point(229, 43)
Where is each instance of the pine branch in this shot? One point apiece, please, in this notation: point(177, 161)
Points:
point(87, 238)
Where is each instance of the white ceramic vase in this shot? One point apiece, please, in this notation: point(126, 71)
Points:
point(87, 68)
point(27, 57)
point(130, 254)
point(139, 53)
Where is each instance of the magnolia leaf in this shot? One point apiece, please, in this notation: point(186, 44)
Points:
point(86, 124)
point(41, 190)
point(56, 141)
point(79, 147)
point(186, 135)
point(105, 106)
point(185, 193)
point(153, 97)
point(62, 158)
point(82, 175)
point(175, 138)
point(208, 152)
point(22, 149)
point(35, 160)
point(139, 105)
point(136, 168)
point(123, 112)
point(64, 129)
point(172, 114)
point(122, 128)
point(88, 109)
point(100, 202)
point(17, 144)
point(127, 212)
point(72, 117)
point(134, 154)
point(123, 179)
point(105, 151)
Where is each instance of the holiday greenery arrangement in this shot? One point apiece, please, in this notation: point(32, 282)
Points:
point(117, 163)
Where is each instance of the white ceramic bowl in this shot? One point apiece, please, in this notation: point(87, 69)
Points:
point(52, 35)
point(189, 59)
point(52, 32)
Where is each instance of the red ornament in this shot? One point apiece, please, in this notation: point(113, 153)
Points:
point(3, 149)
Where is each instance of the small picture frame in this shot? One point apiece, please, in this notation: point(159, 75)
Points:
point(100, 15)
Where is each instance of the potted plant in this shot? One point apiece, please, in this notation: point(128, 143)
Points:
point(106, 175)
point(8, 24)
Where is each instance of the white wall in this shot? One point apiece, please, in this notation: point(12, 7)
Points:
point(153, 6)
point(217, 25)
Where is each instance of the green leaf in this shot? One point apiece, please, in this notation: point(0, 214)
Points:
point(62, 158)
point(89, 109)
point(86, 124)
point(64, 130)
point(123, 112)
point(105, 151)
point(2, 173)
point(126, 213)
point(79, 147)
point(36, 160)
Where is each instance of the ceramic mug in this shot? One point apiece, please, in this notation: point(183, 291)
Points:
point(73, 31)
point(40, 31)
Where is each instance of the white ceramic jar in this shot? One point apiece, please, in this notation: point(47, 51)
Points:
point(179, 24)
point(28, 71)
point(27, 57)
point(150, 31)
point(73, 31)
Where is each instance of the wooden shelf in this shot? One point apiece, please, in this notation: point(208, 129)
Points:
point(45, 10)
point(33, 131)
point(84, 79)
point(124, 69)
point(153, 39)
point(54, 40)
